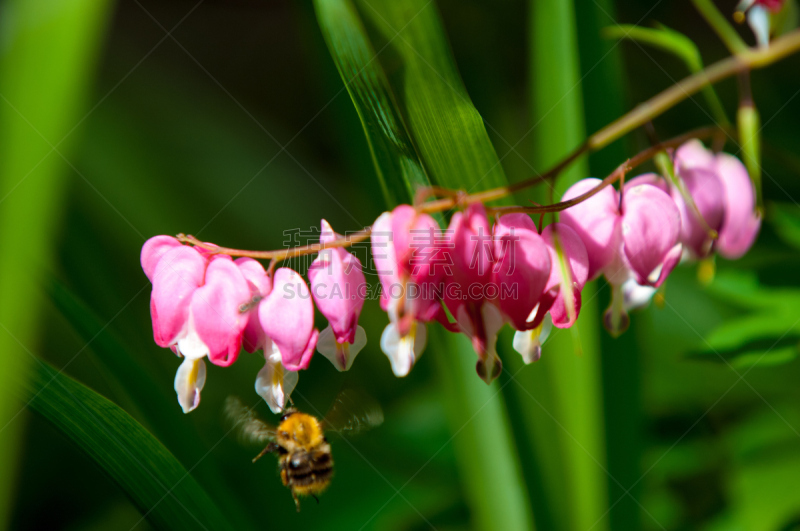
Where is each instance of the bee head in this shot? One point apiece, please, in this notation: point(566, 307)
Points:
point(288, 412)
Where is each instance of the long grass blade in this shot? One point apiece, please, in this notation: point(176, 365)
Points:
point(163, 490)
point(45, 68)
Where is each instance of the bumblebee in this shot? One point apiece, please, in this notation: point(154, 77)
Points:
point(304, 453)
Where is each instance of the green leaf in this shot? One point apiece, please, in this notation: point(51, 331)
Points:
point(785, 219)
point(678, 44)
point(767, 334)
point(454, 148)
point(399, 169)
point(48, 55)
point(156, 482)
point(448, 130)
point(664, 38)
point(143, 397)
point(562, 393)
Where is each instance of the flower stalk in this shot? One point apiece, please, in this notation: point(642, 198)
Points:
point(743, 61)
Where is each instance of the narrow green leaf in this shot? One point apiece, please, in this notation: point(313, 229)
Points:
point(567, 388)
point(46, 60)
point(664, 38)
point(396, 161)
point(149, 474)
point(143, 397)
point(785, 220)
point(448, 130)
point(602, 80)
point(456, 153)
point(721, 26)
point(675, 43)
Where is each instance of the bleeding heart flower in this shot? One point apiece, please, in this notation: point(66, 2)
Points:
point(338, 286)
point(406, 249)
point(560, 303)
point(722, 190)
point(287, 317)
point(273, 383)
point(758, 17)
point(741, 223)
point(465, 296)
point(633, 238)
point(195, 308)
point(522, 265)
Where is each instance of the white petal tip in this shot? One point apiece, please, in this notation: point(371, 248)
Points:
point(275, 384)
point(404, 351)
point(189, 381)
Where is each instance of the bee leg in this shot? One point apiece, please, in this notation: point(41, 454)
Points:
point(315, 497)
point(296, 500)
point(270, 448)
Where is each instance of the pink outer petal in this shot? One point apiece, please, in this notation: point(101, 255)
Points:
point(152, 251)
point(177, 275)
point(425, 267)
point(305, 357)
point(523, 266)
point(326, 233)
point(287, 317)
point(338, 286)
point(216, 310)
point(473, 249)
point(403, 219)
point(707, 193)
point(383, 254)
point(652, 179)
point(650, 229)
point(260, 285)
point(595, 221)
point(741, 224)
point(691, 155)
point(578, 260)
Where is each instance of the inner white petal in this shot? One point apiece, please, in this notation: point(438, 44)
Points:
point(189, 381)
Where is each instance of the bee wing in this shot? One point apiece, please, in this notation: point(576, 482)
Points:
point(249, 428)
point(353, 412)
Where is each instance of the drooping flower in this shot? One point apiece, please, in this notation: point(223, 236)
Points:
point(287, 317)
point(759, 14)
point(405, 248)
point(722, 190)
point(637, 237)
point(338, 286)
point(473, 257)
point(273, 383)
point(560, 304)
point(194, 306)
point(522, 265)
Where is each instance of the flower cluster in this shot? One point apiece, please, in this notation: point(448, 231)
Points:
point(474, 277)
point(208, 305)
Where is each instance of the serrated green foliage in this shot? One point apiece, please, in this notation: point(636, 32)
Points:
point(156, 482)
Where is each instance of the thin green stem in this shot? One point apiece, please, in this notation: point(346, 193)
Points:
point(677, 44)
point(717, 21)
point(748, 60)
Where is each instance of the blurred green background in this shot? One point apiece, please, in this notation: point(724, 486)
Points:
point(228, 120)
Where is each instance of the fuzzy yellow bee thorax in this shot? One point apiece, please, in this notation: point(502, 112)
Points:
point(300, 430)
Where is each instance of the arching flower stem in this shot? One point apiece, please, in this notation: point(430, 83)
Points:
point(457, 198)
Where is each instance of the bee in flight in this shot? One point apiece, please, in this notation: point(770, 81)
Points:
point(304, 453)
